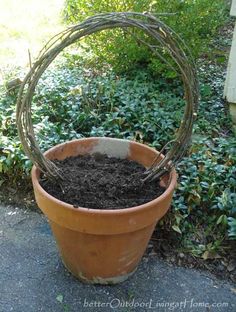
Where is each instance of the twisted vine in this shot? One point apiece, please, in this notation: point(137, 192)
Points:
point(162, 37)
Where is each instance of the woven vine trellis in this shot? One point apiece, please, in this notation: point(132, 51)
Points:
point(163, 38)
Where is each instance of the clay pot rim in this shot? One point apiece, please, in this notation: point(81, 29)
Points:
point(35, 173)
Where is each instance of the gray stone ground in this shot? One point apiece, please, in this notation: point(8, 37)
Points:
point(32, 278)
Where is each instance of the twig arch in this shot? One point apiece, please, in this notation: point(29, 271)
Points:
point(162, 35)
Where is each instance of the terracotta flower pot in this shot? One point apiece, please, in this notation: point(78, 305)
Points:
point(103, 246)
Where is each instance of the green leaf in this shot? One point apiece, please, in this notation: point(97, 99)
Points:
point(60, 298)
point(176, 229)
point(222, 219)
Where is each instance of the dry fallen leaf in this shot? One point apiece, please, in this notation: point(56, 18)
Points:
point(210, 255)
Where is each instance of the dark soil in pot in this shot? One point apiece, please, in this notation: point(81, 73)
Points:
point(102, 182)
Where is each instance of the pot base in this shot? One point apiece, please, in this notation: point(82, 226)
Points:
point(100, 280)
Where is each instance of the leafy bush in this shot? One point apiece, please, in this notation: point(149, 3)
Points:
point(207, 190)
point(195, 20)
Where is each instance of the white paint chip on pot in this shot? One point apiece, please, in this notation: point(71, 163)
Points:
point(112, 147)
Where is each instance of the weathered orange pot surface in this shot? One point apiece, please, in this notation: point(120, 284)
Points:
point(103, 246)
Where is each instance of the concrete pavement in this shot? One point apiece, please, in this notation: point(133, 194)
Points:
point(33, 279)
